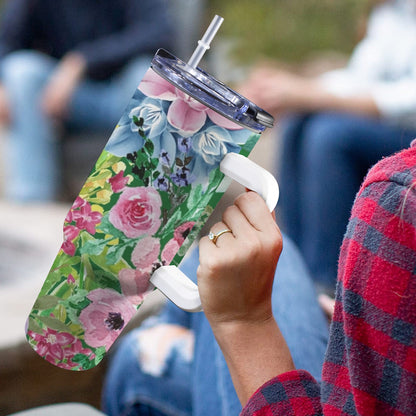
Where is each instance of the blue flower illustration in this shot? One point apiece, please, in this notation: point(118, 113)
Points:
point(153, 115)
point(213, 144)
point(126, 138)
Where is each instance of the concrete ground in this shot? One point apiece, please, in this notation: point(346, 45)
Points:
point(30, 237)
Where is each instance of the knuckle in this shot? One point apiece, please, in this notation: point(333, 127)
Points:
point(247, 197)
point(229, 212)
point(275, 244)
point(252, 246)
point(208, 267)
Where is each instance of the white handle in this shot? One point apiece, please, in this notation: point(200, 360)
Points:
point(171, 281)
point(252, 176)
point(177, 287)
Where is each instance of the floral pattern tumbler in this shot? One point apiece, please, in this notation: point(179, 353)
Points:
point(148, 195)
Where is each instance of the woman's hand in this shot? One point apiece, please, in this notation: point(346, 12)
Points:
point(279, 91)
point(4, 107)
point(235, 280)
point(235, 275)
point(62, 84)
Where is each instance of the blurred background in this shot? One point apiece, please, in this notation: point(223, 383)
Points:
point(295, 33)
point(309, 36)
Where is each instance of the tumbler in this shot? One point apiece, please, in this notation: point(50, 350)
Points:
point(151, 190)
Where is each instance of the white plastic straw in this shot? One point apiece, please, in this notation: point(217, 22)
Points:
point(206, 40)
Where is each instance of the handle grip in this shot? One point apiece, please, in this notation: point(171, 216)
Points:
point(171, 281)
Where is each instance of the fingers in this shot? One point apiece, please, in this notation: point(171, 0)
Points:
point(327, 304)
point(220, 237)
point(246, 218)
point(255, 210)
point(235, 275)
point(249, 213)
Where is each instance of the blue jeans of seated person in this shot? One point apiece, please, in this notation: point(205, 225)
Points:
point(178, 383)
point(324, 158)
point(32, 157)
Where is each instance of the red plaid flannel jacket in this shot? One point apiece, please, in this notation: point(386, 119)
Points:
point(370, 364)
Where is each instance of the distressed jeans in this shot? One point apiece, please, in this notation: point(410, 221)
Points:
point(172, 365)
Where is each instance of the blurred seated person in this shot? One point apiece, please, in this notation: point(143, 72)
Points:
point(335, 127)
point(73, 64)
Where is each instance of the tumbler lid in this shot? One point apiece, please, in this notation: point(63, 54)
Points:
point(209, 91)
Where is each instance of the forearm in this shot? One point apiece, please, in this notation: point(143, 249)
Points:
point(318, 99)
point(62, 84)
point(279, 92)
point(254, 352)
point(235, 281)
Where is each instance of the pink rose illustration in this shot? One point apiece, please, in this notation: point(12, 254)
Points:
point(179, 236)
point(182, 231)
point(134, 284)
point(168, 253)
point(56, 347)
point(146, 253)
point(185, 113)
point(105, 317)
point(137, 212)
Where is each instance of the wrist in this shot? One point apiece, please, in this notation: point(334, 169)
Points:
point(239, 334)
point(241, 320)
point(255, 353)
point(240, 325)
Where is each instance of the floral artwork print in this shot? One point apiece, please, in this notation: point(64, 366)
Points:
point(150, 192)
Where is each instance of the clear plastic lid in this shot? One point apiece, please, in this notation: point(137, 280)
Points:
point(209, 91)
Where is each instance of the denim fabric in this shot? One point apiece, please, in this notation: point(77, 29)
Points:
point(324, 158)
point(203, 386)
point(32, 149)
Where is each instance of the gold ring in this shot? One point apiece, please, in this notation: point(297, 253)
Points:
point(214, 237)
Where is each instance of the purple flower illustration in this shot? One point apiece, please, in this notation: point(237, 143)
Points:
point(161, 183)
point(184, 144)
point(164, 157)
point(182, 177)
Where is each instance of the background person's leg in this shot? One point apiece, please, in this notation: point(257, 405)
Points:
point(150, 374)
point(99, 105)
point(95, 109)
point(31, 156)
point(336, 153)
point(290, 137)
